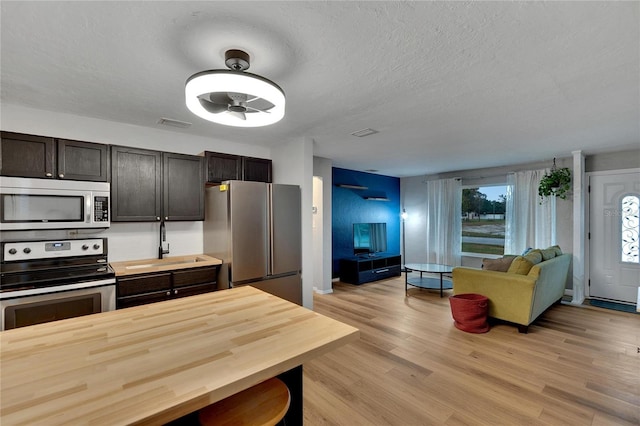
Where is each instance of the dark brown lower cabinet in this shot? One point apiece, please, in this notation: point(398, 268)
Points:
point(157, 287)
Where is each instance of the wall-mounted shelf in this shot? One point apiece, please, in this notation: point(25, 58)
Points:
point(347, 186)
point(376, 198)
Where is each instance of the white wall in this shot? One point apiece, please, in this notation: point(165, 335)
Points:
point(161, 138)
point(413, 198)
point(619, 160)
point(293, 164)
point(413, 194)
point(127, 241)
point(322, 169)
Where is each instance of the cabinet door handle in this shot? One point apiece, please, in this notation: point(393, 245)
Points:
point(48, 174)
point(168, 293)
point(157, 217)
point(61, 175)
point(166, 218)
point(175, 291)
point(382, 270)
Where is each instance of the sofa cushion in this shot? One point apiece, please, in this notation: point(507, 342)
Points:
point(557, 249)
point(534, 256)
point(547, 254)
point(520, 265)
point(500, 265)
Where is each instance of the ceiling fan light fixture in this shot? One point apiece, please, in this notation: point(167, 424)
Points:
point(226, 96)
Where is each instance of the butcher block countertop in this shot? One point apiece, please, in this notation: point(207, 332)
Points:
point(145, 266)
point(154, 363)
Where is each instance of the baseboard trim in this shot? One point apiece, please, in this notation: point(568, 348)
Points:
point(323, 291)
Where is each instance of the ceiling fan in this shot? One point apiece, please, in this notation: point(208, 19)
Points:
point(235, 97)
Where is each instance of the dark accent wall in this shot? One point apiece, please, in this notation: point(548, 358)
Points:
point(349, 206)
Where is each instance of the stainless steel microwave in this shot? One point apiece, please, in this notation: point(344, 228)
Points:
point(30, 204)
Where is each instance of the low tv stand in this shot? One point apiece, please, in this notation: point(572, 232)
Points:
point(365, 268)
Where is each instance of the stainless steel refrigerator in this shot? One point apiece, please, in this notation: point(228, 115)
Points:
point(255, 229)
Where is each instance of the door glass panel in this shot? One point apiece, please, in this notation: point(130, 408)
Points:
point(42, 208)
point(630, 229)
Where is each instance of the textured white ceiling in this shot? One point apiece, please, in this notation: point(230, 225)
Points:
point(448, 85)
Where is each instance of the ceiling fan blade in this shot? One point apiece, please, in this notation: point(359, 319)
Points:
point(211, 107)
point(256, 109)
point(240, 115)
point(260, 104)
point(219, 98)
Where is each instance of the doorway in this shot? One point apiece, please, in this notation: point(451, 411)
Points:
point(317, 223)
point(614, 262)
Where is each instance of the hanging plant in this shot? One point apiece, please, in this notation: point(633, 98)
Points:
point(555, 183)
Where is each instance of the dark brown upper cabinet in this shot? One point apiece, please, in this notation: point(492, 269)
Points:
point(151, 185)
point(183, 194)
point(221, 167)
point(136, 179)
point(256, 169)
point(25, 155)
point(83, 160)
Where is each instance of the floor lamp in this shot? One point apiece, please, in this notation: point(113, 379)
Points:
point(403, 254)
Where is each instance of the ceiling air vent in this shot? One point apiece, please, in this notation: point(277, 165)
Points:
point(364, 132)
point(174, 123)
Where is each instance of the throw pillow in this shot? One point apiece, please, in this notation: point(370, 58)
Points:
point(534, 256)
point(499, 265)
point(557, 249)
point(548, 254)
point(520, 265)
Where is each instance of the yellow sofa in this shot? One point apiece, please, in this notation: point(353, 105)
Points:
point(514, 297)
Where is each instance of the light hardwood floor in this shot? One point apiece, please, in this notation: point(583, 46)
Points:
point(576, 366)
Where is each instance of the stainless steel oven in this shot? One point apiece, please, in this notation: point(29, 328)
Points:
point(44, 281)
point(28, 204)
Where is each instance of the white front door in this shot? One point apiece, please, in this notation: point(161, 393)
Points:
point(614, 268)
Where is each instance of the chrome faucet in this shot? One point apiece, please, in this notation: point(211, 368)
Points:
point(164, 245)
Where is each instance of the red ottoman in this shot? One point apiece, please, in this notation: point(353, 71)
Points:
point(469, 312)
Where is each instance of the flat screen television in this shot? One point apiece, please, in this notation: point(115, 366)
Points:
point(369, 238)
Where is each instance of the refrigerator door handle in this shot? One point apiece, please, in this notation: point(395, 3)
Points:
point(270, 266)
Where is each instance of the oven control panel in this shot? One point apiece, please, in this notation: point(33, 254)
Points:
point(35, 250)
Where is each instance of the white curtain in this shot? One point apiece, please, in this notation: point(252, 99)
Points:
point(444, 224)
point(528, 220)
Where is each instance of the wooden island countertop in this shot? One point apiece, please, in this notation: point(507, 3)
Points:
point(151, 364)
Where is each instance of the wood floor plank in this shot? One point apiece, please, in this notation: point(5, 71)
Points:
point(576, 366)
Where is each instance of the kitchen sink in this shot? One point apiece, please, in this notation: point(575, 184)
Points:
point(160, 263)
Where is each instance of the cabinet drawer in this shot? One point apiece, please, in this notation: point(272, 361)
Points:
point(142, 299)
point(195, 276)
point(192, 290)
point(143, 284)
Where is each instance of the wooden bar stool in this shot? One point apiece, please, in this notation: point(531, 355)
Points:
point(264, 404)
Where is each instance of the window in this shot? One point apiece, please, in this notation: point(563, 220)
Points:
point(630, 229)
point(483, 219)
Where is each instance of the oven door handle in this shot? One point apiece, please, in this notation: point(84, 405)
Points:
point(55, 289)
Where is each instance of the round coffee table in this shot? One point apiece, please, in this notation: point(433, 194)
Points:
point(427, 282)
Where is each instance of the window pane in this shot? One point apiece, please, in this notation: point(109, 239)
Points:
point(483, 210)
point(630, 229)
